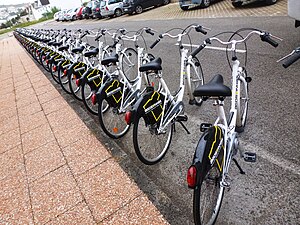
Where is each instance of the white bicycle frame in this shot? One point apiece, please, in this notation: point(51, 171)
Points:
point(177, 103)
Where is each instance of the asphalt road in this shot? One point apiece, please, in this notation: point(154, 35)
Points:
point(269, 192)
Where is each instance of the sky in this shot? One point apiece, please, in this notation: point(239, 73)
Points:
point(12, 2)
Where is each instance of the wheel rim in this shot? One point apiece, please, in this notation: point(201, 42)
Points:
point(118, 13)
point(111, 121)
point(150, 146)
point(87, 97)
point(206, 3)
point(211, 194)
point(139, 9)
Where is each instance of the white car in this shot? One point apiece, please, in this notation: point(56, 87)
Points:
point(56, 16)
point(71, 14)
point(111, 8)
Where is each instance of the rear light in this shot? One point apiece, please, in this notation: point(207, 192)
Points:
point(54, 68)
point(94, 98)
point(97, 9)
point(77, 82)
point(65, 72)
point(128, 117)
point(106, 8)
point(192, 177)
point(47, 61)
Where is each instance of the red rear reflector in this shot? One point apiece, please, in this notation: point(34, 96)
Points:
point(54, 68)
point(77, 82)
point(128, 117)
point(44, 57)
point(192, 177)
point(65, 72)
point(94, 98)
point(47, 61)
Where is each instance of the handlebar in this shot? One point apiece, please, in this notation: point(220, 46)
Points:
point(290, 58)
point(186, 31)
point(264, 36)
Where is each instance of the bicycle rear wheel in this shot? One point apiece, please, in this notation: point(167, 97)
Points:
point(208, 197)
point(150, 147)
point(242, 102)
point(87, 93)
point(54, 71)
point(74, 89)
point(111, 121)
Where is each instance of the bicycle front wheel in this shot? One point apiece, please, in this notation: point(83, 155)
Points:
point(208, 197)
point(129, 62)
point(242, 102)
point(196, 79)
point(149, 145)
point(111, 120)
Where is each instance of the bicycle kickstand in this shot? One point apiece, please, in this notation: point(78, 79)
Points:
point(238, 166)
point(181, 118)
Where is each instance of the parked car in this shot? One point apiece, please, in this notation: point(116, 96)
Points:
point(87, 11)
point(138, 6)
point(186, 4)
point(111, 8)
point(71, 14)
point(56, 16)
point(294, 11)
point(79, 13)
point(96, 10)
point(238, 3)
point(61, 16)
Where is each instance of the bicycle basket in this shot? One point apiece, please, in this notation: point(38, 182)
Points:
point(153, 108)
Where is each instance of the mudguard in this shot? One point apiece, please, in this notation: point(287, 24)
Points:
point(209, 149)
point(112, 91)
point(149, 106)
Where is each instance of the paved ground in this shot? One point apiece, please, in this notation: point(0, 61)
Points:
point(49, 173)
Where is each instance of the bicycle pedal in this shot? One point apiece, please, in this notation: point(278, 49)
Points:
point(248, 79)
point(181, 118)
point(205, 126)
point(250, 157)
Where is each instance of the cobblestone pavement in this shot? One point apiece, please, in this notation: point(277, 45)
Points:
point(48, 172)
point(219, 9)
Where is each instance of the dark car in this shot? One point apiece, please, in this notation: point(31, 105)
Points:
point(238, 3)
point(96, 10)
point(138, 6)
point(87, 11)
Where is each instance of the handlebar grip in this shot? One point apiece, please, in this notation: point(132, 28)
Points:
point(291, 59)
point(197, 50)
point(150, 32)
point(97, 38)
point(267, 38)
point(155, 43)
point(200, 29)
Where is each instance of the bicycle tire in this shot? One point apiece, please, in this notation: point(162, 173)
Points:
point(129, 63)
point(87, 92)
point(53, 73)
point(196, 79)
point(74, 89)
point(242, 102)
point(208, 194)
point(147, 143)
point(110, 116)
point(43, 62)
point(63, 78)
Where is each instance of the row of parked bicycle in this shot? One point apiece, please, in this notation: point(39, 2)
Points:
point(107, 8)
point(125, 87)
